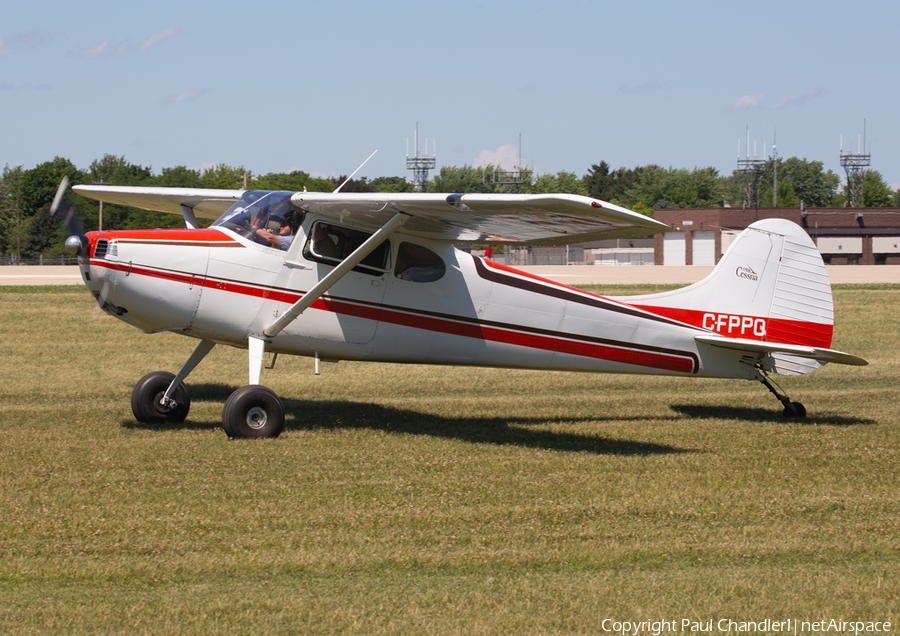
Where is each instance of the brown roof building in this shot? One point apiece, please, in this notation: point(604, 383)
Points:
point(844, 236)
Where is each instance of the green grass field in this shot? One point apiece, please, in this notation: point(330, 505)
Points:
point(420, 500)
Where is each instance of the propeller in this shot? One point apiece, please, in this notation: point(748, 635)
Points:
point(77, 243)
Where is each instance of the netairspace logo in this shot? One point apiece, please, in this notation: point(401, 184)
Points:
point(727, 625)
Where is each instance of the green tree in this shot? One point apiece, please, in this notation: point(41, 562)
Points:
point(612, 186)
point(562, 181)
point(787, 195)
point(39, 185)
point(391, 184)
point(224, 177)
point(353, 185)
point(464, 179)
point(809, 181)
point(876, 193)
point(45, 235)
point(118, 171)
point(640, 208)
point(677, 188)
point(11, 211)
point(178, 177)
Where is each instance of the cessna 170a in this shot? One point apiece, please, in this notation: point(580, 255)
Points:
point(376, 276)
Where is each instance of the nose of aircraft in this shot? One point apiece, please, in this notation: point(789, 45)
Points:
point(77, 245)
point(81, 246)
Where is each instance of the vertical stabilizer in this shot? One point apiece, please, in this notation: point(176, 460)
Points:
point(771, 286)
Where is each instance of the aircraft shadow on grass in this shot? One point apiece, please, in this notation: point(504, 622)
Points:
point(514, 431)
point(765, 415)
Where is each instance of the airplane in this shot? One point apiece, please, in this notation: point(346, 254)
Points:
point(378, 277)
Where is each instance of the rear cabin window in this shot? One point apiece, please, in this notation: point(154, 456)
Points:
point(418, 264)
point(331, 244)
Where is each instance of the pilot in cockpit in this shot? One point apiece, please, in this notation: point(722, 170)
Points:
point(287, 228)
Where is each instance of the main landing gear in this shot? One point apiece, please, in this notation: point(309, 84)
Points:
point(253, 411)
point(791, 409)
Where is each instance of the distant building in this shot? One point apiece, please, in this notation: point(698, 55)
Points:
point(699, 236)
point(844, 236)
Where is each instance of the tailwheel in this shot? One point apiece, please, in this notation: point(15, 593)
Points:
point(147, 399)
point(791, 409)
point(253, 411)
point(794, 409)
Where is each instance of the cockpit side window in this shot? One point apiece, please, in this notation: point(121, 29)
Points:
point(268, 218)
point(330, 244)
point(418, 264)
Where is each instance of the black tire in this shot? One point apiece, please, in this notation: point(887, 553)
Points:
point(800, 410)
point(146, 396)
point(254, 412)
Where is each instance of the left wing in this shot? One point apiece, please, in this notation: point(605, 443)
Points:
point(206, 203)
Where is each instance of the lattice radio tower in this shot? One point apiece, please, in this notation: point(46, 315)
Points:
point(854, 166)
point(420, 164)
point(511, 180)
point(751, 169)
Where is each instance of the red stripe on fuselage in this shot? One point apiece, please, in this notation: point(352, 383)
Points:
point(656, 360)
point(667, 360)
point(205, 235)
point(197, 237)
point(810, 334)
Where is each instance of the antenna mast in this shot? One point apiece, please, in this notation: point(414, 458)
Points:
point(751, 170)
point(511, 180)
point(420, 164)
point(854, 167)
point(775, 170)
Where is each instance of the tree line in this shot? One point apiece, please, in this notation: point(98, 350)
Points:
point(27, 230)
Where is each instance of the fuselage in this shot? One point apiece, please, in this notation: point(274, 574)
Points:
point(218, 285)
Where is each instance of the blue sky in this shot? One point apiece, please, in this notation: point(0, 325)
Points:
point(276, 86)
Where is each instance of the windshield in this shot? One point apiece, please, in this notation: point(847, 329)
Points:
point(266, 217)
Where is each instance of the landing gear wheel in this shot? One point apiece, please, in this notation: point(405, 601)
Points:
point(253, 411)
point(791, 409)
point(146, 396)
point(795, 410)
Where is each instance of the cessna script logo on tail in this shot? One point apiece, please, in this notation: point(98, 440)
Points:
point(746, 272)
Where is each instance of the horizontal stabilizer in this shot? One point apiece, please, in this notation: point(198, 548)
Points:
point(756, 346)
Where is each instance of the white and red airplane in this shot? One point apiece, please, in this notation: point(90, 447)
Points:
point(376, 276)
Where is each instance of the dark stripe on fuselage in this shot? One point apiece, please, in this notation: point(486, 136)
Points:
point(561, 292)
point(532, 337)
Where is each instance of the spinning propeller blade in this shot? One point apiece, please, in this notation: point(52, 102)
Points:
point(77, 243)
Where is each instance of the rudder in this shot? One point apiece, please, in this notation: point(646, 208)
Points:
point(771, 285)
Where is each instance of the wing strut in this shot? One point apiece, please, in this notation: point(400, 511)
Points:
point(189, 219)
point(336, 274)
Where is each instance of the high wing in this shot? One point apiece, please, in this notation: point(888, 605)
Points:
point(535, 219)
point(206, 203)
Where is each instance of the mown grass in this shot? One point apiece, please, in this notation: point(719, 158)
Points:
point(408, 499)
